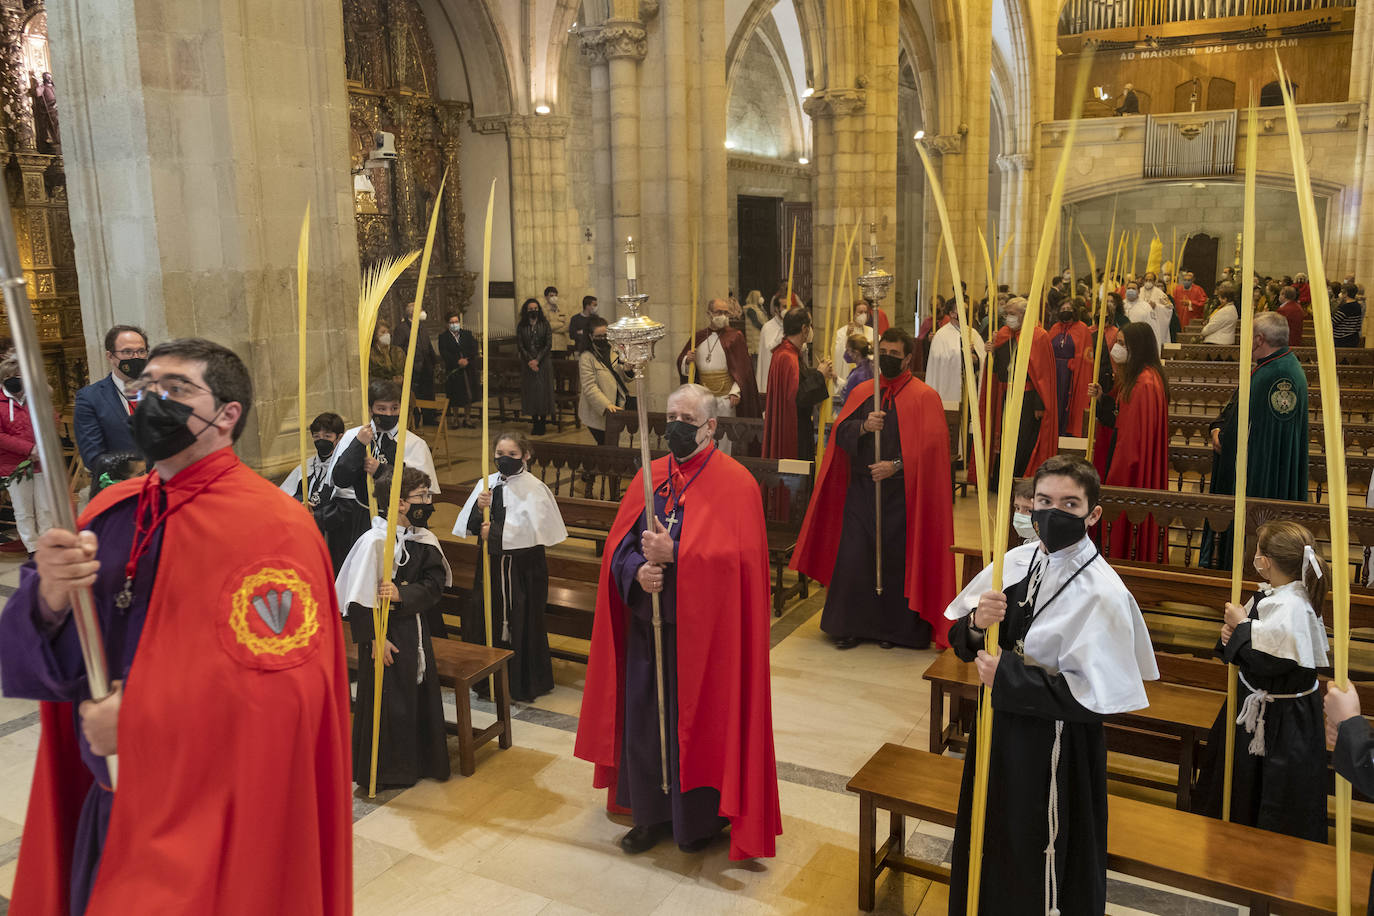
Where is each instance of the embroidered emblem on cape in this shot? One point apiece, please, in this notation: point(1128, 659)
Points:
point(1282, 398)
point(272, 595)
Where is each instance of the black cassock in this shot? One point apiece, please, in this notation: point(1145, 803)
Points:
point(1285, 790)
point(695, 813)
point(852, 607)
point(413, 744)
point(333, 515)
point(1029, 434)
point(461, 383)
point(519, 595)
point(355, 516)
point(1028, 704)
point(1353, 758)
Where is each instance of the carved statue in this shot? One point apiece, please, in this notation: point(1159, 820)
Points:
point(45, 114)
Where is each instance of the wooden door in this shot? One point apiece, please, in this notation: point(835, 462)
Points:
point(801, 273)
point(760, 245)
point(1200, 256)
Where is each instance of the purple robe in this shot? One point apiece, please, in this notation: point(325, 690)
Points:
point(695, 813)
point(1063, 374)
point(39, 661)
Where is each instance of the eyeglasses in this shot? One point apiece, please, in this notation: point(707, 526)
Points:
point(425, 497)
point(139, 353)
point(176, 387)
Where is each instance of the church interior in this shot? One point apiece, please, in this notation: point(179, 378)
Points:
point(159, 157)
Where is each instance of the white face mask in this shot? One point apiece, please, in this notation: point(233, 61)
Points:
point(1021, 523)
point(384, 339)
point(1131, 295)
point(455, 326)
point(861, 319)
point(1118, 353)
point(553, 300)
point(719, 321)
point(1149, 284)
point(1014, 322)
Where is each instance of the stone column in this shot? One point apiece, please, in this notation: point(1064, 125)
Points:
point(624, 43)
point(196, 135)
point(603, 280)
point(544, 220)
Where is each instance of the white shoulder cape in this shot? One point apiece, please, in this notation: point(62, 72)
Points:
point(293, 480)
point(417, 456)
point(358, 576)
point(1287, 627)
point(945, 366)
point(532, 516)
point(1092, 633)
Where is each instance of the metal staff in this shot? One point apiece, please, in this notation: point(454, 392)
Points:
point(41, 415)
point(633, 337)
point(875, 283)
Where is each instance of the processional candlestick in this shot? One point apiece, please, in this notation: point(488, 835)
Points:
point(875, 284)
point(633, 336)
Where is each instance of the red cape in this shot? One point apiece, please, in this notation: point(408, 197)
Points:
point(883, 323)
point(1189, 303)
point(737, 361)
point(1140, 460)
point(725, 711)
point(780, 411)
point(1295, 317)
point(929, 503)
point(234, 790)
point(1040, 377)
point(1081, 372)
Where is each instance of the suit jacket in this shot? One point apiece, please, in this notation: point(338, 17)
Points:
point(101, 422)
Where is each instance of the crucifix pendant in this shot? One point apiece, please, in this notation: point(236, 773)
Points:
point(670, 521)
point(125, 596)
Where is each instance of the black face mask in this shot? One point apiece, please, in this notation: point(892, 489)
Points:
point(418, 514)
point(1066, 317)
point(1058, 529)
point(682, 438)
point(509, 466)
point(159, 427)
point(14, 385)
point(132, 368)
point(602, 348)
point(385, 423)
point(890, 366)
point(324, 448)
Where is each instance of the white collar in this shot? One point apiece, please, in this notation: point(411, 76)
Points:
point(118, 382)
point(1071, 552)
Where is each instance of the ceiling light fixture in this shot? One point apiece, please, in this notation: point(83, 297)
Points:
point(804, 161)
point(541, 109)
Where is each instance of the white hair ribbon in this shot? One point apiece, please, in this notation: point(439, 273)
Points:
point(1309, 559)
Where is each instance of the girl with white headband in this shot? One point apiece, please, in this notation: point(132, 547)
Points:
point(1278, 642)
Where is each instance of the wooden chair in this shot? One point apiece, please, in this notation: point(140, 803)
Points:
point(440, 404)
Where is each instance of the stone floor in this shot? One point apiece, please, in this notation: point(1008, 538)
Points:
point(528, 834)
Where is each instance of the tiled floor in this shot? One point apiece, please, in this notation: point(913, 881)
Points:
point(528, 834)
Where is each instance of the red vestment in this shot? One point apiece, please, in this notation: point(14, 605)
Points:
point(1039, 378)
point(1081, 372)
point(780, 411)
point(1296, 316)
point(234, 791)
point(1189, 303)
point(737, 361)
point(1139, 460)
point(929, 501)
point(725, 711)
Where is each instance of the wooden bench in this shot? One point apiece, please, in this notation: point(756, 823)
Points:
point(460, 665)
point(1357, 404)
point(1217, 372)
point(1197, 460)
point(1243, 865)
point(1345, 356)
point(1172, 728)
point(1195, 429)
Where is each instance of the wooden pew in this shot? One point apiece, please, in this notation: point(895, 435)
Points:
point(1215, 372)
point(1171, 729)
point(1195, 429)
point(1197, 460)
point(1345, 356)
point(1244, 865)
point(745, 433)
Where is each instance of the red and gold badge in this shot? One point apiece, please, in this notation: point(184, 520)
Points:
point(273, 618)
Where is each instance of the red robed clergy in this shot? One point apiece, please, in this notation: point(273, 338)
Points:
point(1040, 377)
point(780, 411)
point(1189, 303)
point(1139, 459)
point(725, 710)
point(736, 361)
point(929, 503)
point(234, 790)
point(1080, 372)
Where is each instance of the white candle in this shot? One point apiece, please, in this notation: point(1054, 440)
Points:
point(873, 238)
point(630, 260)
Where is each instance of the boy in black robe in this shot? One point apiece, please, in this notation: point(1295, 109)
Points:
point(413, 743)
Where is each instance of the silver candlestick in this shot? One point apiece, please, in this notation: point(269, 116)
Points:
point(875, 284)
point(634, 336)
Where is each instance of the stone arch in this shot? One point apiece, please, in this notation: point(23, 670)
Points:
point(766, 39)
point(565, 16)
point(914, 43)
point(809, 20)
point(484, 57)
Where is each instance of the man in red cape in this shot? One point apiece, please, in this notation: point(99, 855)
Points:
point(793, 390)
point(1039, 435)
point(912, 467)
point(723, 366)
point(707, 559)
point(231, 725)
point(1190, 299)
point(1072, 343)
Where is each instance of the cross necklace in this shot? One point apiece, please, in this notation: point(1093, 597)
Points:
point(675, 496)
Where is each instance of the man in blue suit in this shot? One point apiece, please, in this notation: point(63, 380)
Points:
point(102, 411)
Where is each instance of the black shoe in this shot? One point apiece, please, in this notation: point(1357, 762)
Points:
point(642, 838)
point(848, 642)
point(697, 845)
point(885, 644)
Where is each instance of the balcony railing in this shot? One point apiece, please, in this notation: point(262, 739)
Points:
point(1198, 144)
point(1079, 16)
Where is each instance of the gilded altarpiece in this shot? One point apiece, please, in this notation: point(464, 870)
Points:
point(37, 187)
point(390, 64)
